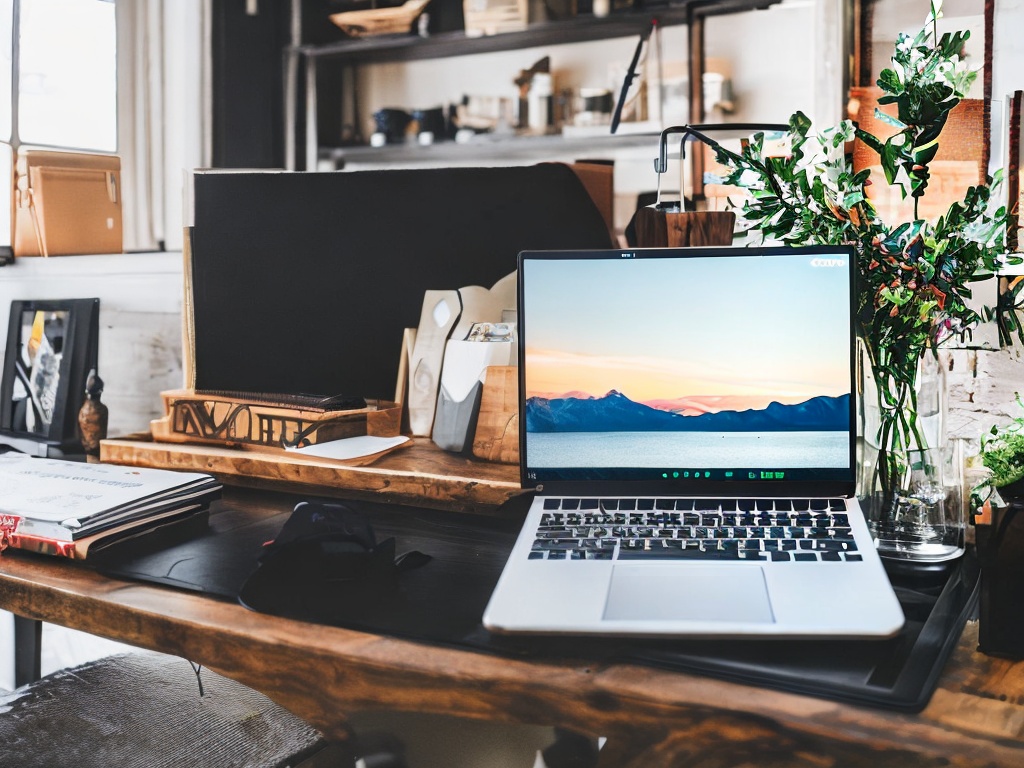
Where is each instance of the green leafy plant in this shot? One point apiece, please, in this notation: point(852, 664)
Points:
point(1002, 451)
point(914, 277)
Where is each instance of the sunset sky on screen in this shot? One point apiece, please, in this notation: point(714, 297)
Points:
point(740, 329)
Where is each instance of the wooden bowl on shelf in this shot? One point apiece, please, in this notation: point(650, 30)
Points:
point(380, 21)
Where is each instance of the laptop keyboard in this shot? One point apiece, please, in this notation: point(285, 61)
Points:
point(770, 530)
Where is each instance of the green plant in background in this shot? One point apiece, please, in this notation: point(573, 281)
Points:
point(914, 277)
point(1002, 451)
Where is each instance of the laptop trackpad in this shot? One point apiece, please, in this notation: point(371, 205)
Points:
point(696, 592)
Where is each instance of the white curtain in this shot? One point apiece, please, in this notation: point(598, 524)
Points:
point(164, 113)
point(829, 62)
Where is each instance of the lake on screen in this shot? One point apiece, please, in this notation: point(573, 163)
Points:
point(792, 450)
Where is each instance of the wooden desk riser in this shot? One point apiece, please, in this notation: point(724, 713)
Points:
point(418, 474)
point(651, 717)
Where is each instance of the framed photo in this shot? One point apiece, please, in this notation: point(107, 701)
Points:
point(51, 347)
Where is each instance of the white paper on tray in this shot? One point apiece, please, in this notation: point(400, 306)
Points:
point(351, 447)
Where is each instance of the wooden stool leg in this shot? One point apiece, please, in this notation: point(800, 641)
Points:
point(28, 646)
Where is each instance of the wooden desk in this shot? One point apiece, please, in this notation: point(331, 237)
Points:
point(418, 474)
point(652, 718)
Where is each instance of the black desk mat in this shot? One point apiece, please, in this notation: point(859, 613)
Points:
point(441, 602)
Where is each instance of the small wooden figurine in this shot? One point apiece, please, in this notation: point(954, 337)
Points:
point(92, 418)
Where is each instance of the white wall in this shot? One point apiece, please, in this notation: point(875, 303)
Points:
point(164, 123)
point(140, 295)
point(772, 53)
point(1008, 48)
point(983, 383)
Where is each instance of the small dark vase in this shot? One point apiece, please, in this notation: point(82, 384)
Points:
point(92, 418)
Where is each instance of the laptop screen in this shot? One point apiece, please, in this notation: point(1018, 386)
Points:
point(694, 368)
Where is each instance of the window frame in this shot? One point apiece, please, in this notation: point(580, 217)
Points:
point(14, 143)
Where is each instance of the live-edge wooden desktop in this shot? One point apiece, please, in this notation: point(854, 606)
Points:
point(650, 717)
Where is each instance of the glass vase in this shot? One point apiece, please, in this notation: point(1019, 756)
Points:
point(919, 514)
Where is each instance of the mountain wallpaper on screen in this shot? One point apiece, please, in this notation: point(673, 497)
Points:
point(614, 412)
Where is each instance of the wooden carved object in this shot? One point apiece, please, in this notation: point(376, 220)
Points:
point(93, 417)
point(380, 21)
point(193, 417)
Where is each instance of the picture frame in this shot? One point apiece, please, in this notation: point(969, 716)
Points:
point(52, 345)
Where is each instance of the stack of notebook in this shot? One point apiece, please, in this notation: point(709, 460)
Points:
point(71, 508)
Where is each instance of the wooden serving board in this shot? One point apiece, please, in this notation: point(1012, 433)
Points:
point(419, 473)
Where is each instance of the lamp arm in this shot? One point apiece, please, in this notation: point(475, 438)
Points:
point(661, 162)
point(697, 132)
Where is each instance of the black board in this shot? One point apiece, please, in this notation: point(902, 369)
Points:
point(302, 283)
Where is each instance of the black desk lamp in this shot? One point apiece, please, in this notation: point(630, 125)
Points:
point(699, 133)
point(671, 225)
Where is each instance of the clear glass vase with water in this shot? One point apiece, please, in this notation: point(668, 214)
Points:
point(922, 518)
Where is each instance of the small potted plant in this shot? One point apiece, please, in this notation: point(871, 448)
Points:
point(1002, 452)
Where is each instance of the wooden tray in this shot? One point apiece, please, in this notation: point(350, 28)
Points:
point(418, 474)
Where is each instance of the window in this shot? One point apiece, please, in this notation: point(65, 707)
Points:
point(58, 76)
point(5, 201)
point(67, 76)
point(6, 65)
point(6, 85)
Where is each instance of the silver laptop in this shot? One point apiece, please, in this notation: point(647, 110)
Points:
point(687, 422)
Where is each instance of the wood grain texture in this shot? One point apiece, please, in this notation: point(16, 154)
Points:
point(599, 181)
point(651, 718)
point(657, 229)
point(497, 426)
point(417, 473)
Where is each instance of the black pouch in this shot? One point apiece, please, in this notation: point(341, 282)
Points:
point(327, 566)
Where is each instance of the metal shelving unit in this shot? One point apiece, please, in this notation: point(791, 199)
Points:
point(305, 60)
